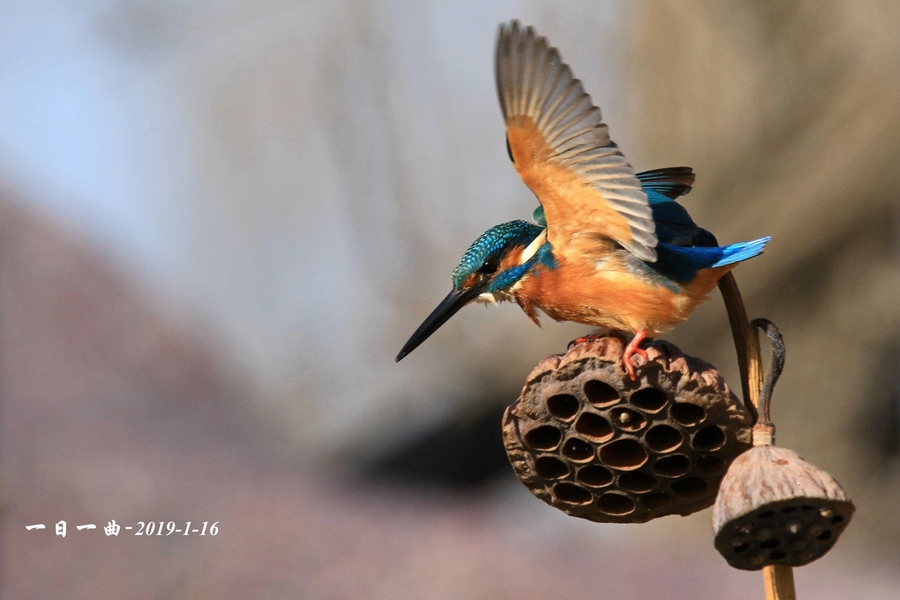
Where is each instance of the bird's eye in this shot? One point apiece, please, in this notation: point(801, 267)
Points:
point(490, 266)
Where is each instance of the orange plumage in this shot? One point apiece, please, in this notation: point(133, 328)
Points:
point(615, 299)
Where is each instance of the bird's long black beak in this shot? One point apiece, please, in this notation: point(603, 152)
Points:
point(448, 307)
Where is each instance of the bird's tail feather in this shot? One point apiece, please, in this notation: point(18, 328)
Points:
point(741, 251)
point(705, 257)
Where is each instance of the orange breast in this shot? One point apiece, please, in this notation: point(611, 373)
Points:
point(609, 295)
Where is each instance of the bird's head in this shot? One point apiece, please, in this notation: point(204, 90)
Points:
point(500, 258)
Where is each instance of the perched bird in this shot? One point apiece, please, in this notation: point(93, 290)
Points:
point(609, 247)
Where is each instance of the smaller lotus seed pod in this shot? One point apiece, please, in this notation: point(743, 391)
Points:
point(588, 440)
point(775, 508)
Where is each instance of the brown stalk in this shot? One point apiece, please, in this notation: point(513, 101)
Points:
point(778, 579)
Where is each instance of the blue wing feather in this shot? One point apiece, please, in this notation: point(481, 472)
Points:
point(671, 182)
point(673, 223)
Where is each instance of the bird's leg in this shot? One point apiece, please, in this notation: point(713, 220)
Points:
point(633, 348)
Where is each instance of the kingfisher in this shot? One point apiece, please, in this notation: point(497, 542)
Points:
point(608, 247)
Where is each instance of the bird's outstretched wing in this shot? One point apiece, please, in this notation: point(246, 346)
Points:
point(562, 151)
point(671, 182)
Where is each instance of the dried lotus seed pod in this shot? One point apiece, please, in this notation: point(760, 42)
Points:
point(585, 438)
point(776, 508)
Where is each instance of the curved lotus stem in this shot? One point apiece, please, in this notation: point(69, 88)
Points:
point(778, 579)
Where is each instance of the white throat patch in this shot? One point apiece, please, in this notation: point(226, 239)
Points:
point(533, 247)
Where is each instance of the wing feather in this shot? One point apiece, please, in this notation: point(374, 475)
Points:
point(562, 150)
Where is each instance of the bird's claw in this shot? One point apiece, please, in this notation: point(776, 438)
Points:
point(641, 352)
point(583, 340)
point(631, 349)
point(626, 360)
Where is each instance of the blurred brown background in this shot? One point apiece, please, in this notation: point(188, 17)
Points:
point(219, 221)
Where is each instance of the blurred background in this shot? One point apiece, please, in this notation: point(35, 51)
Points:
point(220, 220)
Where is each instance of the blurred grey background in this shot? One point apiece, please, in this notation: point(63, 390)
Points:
point(221, 220)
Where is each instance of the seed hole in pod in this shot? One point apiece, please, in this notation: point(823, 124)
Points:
point(563, 406)
point(806, 555)
point(837, 519)
point(663, 438)
point(655, 500)
point(578, 449)
point(545, 437)
point(627, 419)
point(767, 514)
point(594, 426)
point(825, 535)
point(624, 454)
point(689, 487)
point(777, 555)
point(711, 466)
point(637, 481)
point(708, 438)
point(798, 545)
point(595, 475)
point(550, 467)
point(672, 466)
point(770, 544)
point(600, 394)
point(649, 400)
point(756, 559)
point(571, 493)
point(615, 504)
point(687, 414)
point(741, 548)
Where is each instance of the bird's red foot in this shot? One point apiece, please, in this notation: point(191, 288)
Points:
point(583, 340)
point(633, 348)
